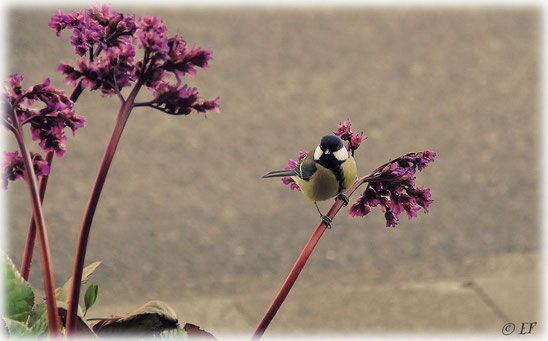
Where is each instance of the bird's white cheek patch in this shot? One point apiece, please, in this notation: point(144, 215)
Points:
point(317, 153)
point(341, 154)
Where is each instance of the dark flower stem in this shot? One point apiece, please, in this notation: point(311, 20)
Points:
point(301, 261)
point(123, 116)
point(31, 235)
point(49, 281)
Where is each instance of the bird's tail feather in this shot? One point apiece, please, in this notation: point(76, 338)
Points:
point(280, 173)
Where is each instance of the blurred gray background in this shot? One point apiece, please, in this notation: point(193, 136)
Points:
point(186, 218)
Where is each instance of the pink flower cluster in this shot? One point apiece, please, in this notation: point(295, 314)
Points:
point(181, 100)
point(94, 28)
point(13, 167)
point(346, 134)
point(393, 189)
point(111, 40)
point(47, 110)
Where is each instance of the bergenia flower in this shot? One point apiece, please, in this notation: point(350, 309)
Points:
point(93, 27)
point(58, 22)
point(101, 74)
point(355, 141)
point(360, 208)
point(13, 167)
point(180, 100)
point(182, 61)
point(48, 112)
point(15, 81)
point(346, 134)
point(151, 34)
point(393, 189)
point(343, 130)
point(110, 40)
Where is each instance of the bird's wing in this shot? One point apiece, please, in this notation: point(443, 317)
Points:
point(306, 168)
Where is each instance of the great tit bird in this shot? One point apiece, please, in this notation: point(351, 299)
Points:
point(324, 173)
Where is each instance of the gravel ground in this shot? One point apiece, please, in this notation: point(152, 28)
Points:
point(184, 207)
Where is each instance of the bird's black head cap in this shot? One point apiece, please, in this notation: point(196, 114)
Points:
point(331, 143)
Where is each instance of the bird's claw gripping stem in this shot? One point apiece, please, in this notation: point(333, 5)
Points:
point(344, 198)
point(327, 221)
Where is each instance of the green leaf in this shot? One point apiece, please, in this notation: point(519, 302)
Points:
point(17, 328)
point(90, 297)
point(20, 297)
point(151, 318)
point(38, 319)
point(63, 293)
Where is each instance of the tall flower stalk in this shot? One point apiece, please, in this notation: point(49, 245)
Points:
point(31, 235)
point(85, 227)
point(113, 39)
point(391, 186)
point(47, 111)
point(49, 281)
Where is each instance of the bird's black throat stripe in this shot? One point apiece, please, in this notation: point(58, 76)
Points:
point(334, 165)
point(339, 174)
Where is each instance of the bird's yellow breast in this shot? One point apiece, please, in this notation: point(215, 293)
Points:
point(350, 172)
point(323, 184)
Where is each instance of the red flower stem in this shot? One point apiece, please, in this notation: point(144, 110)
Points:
point(31, 235)
point(49, 281)
point(123, 116)
point(301, 261)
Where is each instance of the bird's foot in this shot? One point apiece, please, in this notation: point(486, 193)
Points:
point(344, 198)
point(327, 221)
